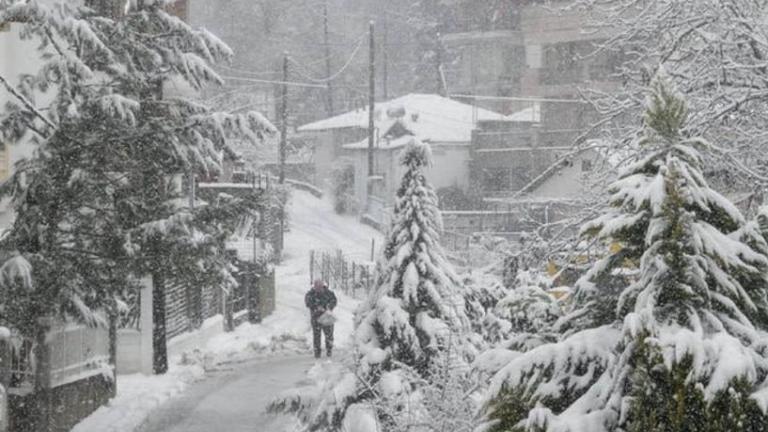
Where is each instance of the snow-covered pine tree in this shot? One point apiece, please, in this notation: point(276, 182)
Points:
point(95, 203)
point(667, 334)
point(414, 313)
point(417, 303)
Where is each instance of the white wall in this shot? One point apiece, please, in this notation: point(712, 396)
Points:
point(569, 182)
point(450, 166)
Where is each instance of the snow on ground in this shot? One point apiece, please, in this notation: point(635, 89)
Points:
point(232, 399)
point(313, 225)
point(137, 396)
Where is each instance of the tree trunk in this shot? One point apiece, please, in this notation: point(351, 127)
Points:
point(159, 336)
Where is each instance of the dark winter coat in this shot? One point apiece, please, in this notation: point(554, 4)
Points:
point(319, 300)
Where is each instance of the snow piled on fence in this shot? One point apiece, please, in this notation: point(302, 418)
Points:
point(313, 225)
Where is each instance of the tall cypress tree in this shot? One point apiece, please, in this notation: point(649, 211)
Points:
point(667, 334)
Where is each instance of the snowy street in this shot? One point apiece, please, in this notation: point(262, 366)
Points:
point(232, 399)
point(234, 375)
point(383, 216)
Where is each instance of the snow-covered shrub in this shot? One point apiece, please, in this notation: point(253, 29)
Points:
point(528, 307)
point(446, 401)
point(666, 333)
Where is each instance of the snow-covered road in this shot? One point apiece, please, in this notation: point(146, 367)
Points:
point(256, 361)
point(232, 399)
point(235, 398)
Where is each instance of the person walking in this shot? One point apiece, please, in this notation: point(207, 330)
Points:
point(320, 300)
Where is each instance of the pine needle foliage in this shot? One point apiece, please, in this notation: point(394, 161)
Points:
point(668, 333)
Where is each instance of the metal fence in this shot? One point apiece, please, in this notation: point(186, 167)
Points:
point(354, 278)
point(77, 352)
point(18, 364)
point(455, 241)
point(72, 352)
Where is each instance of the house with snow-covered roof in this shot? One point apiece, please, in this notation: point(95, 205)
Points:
point(447, 125)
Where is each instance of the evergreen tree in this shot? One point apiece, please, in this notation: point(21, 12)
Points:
point(96, 204)
point(417, 304)
point(667, 334)
point(415, 313)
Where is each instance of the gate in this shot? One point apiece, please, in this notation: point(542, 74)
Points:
point(354, 278)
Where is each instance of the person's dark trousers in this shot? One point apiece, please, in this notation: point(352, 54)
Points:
point(317, 330)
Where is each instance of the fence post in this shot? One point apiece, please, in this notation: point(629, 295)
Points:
point(4, 420)
point(113, 314)
point(146, 320)
point(43, 375)
point(344, 276)
point(254, 297)
point(311, 266)
point(373, 247)
point(228, 306)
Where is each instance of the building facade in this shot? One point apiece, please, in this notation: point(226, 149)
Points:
point(525, 53)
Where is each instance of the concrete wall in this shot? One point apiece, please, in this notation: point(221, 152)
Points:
point(569, 182)
point(450, 168)
point(134, 345)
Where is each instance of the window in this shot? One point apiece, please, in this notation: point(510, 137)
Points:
point(513, 67)
point(496, 179)
point(605, 64)
point(378, 185)
point(563, 62)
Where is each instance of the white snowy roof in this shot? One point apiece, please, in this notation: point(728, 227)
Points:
point(429, 117)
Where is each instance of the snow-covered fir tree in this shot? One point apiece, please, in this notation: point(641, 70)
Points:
point(96, 204)
point(418, 303)
point(415, 312)
point(666, 334)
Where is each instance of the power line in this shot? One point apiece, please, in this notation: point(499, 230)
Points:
point(337, 74)
point(250, 72)
point(517, 99)
point(288, 83)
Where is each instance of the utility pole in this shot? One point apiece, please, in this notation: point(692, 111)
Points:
point(329, 102)
point(371, 101)
point(283, 121)
point(385, 59)
point(283, 145)
point(439, 66)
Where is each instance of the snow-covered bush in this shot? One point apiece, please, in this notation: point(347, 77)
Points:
point(528, 307)
point(446, 401)
point(666, 333)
